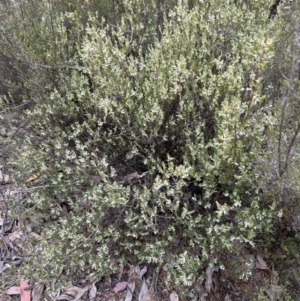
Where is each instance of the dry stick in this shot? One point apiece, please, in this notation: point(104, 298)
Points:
point(4, 217)
point(280, 170)
point(30, 63)
point(53, 32)
point(290, 150)
point(155, 279)
point(280, 138)
point(6, 242)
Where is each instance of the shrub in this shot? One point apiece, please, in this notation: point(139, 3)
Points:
point(278, 166)
point(146, 136)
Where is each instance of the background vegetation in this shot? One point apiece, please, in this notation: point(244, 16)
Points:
point(162, 132)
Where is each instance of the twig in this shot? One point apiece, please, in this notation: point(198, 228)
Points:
point(6, 243)
point(292, 142)
point(4, 217)
point(21, 105)
point(287, 158)
point(17, 191)
point(155, 279)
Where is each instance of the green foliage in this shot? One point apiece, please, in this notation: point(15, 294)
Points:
point(147, 131)
point(278, 166)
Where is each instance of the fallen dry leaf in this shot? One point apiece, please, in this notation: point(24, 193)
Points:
point(2, 266)
point(208, 280)
point(23, 220)
point(33, 177)
point(7, 226)
point(14, 290)
point(269, 294)
point(82, 292)
point(200, 289)
point(3, 177)
point(130, 290)
point(143, 291)
point(73, 293)
point(93, 292)
point(143, 271)
point(260, 263)
point(37, 292)
point(173, 296)
point(121, 270)
point(10, 191)
point(209, 273)
point(35, 235)
point(227, 298)
point(120, 286)
point(70, 293)
point(24, 295)
point(147, 297)
point(14, 235)
point(17, 261)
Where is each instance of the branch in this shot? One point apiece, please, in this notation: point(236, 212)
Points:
point(287, 158)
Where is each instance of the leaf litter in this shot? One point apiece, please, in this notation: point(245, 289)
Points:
point(14, 290)
point(25, 295)
point(120, 286)
point(174, 296)
point(92, 292)
point(37, 292)
point(73, 293)
point(260, 263)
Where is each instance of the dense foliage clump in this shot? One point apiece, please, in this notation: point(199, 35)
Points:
point(154, 129)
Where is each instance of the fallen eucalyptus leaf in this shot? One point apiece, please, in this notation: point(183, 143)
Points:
point(260, 263)
point(37, 292)
point(36, 236)
point(200, 289)
point(216, 268)
point(80, 294)
point(209, 272)
point(25, 295)
point(120, 286)
point(147, 297)
point(130, 290)
point(269, 294)
point(208, 280)
point(33, 177)
point(121, 269)
point(203, 297)
point(227, 298)
point(1, 266)
point(17, 261)
point(143, 290)
point(93, 292)
point(173, 296)
point(142, 272)
point(14, 290)
point(7, 226)
point(72, 293)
